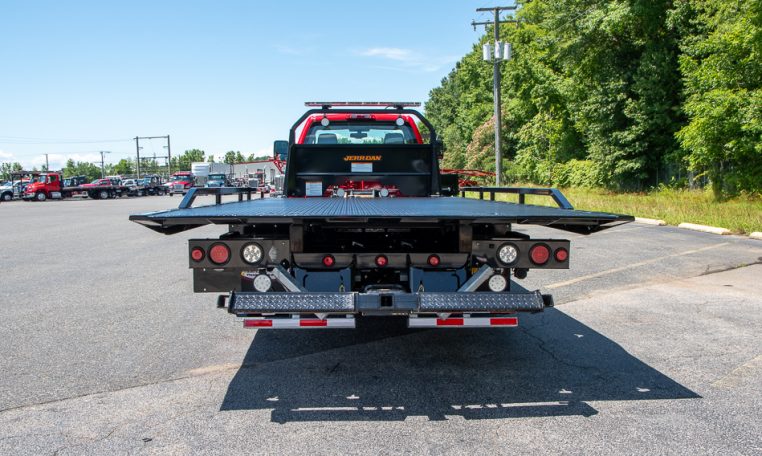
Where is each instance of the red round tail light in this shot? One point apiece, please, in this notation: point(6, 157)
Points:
point(197, 254)
point(381, 261)
point(562, 255)
point(219, 254)
point(433, 261)
point(539, 254)
point(328, 261)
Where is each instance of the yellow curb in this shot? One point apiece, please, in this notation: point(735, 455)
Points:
point(705, 229)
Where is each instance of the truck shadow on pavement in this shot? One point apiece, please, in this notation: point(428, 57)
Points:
point(552, 365)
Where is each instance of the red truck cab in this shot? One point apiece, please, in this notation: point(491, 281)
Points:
point(181, 182)
point(47, 185)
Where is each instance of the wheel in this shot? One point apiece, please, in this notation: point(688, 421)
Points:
point(160, 192)
point(7, 196)
point(41, 196)
point(103, 194)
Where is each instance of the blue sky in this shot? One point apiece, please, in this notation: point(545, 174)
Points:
point(77, 77)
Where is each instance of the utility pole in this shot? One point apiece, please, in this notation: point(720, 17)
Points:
point(47, 165)
point(168, 157)
point(137, 149)
point(103, 165)
point(502, 52)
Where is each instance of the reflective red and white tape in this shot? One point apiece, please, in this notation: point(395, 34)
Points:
point(465, 322)
point(291, 323)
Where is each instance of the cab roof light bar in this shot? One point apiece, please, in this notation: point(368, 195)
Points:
point(374, 104)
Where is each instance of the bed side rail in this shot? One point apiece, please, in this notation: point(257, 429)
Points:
point(218, 193)
point(554, 193)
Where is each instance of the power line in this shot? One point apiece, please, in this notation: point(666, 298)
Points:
point(53, 141)
point(169, 151)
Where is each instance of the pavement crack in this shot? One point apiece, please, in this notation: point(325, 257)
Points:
point(541, 344)
point(728, 268)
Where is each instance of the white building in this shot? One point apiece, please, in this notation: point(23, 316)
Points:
point(264, 168)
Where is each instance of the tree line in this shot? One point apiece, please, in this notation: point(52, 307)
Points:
point(625, 94)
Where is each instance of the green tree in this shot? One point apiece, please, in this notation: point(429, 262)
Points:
point(183, 162)
point(233, 156)
point(7, 168)
point(87, 169)
point(125, 166)
point(721, 65)
point(591, 81)
point(230, 157)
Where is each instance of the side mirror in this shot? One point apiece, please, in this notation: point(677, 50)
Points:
point(439, 148)
point(280, 149)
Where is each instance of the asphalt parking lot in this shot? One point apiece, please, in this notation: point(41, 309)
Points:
point(655, 346)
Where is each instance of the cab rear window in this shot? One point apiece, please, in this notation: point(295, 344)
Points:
point(360, 133)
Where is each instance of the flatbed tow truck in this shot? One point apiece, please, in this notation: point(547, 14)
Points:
point(368, 226)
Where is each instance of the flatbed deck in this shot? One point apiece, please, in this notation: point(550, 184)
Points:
point(290, 210)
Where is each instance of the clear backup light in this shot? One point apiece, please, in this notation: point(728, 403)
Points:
point(508, 253)
point(497, 283)
point(251, 253)
point(262, 283)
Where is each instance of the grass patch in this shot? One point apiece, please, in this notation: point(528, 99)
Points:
point(741, 215)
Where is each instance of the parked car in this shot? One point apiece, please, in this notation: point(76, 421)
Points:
point(7, 191)
point(132, 187)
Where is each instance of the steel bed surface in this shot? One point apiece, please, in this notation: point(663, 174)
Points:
point(286, 210)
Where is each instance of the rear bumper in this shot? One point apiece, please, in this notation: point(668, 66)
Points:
point(253, 303)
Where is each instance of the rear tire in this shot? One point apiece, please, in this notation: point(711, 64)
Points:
point(7, 196)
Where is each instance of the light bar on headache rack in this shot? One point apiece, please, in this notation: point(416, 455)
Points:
point(374, 104)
